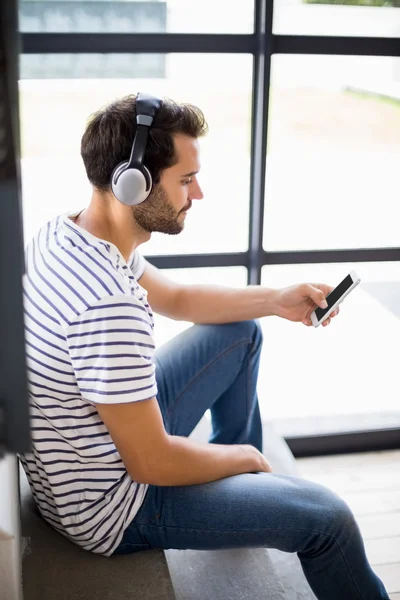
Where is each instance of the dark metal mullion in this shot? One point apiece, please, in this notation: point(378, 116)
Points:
point(345, 442)
point(331, 256)
point(187, 261)
point(159, 43)
point(337, 46)
point(237, 259)
point(259, 133)
point(14, 411)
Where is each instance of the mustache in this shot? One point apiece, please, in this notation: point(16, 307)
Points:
point(189, 205)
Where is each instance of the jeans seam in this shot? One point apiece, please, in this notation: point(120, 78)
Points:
point(207, 366)
point(148, 522)
point(348, 568)
point(248, 404)
point(130, 544)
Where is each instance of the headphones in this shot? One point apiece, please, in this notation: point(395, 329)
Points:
point(131, 181)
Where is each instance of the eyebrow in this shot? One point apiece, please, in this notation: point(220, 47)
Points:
point(190, 174)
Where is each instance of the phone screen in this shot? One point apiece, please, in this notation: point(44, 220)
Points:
point(334, 296)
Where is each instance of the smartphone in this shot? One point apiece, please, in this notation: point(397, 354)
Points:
point(335, 297)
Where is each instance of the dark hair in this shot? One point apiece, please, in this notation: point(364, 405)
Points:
point(110, 131)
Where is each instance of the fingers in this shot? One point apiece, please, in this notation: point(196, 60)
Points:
point(331, 316)
point(266, 467)
point(308, 322)
point(317, 296)
point(325, 288)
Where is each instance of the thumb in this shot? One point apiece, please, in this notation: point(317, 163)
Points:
point(318, 297)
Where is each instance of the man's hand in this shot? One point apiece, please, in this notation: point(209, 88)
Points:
point(257, 461)
point(297, 302)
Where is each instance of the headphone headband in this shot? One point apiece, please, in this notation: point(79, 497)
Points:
point(146, 108)
point(146, 105)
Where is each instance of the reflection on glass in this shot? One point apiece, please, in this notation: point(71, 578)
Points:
point(132, 16)
point(313, 379)
point(92, 66)
point(333, 153)
point(370, 18)
point(92, 16)
point(53, 117)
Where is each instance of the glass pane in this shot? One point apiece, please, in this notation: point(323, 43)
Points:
point(132, 16)
point(342, 377)
point(366, 18)
point(164, 328)
point(53, 116)
point(333, 153)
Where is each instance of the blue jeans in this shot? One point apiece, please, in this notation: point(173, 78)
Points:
point(215, 367)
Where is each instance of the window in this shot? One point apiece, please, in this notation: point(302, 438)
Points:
point(132, 16)
point(333, 153)
point(340, 378)
point(330, 183)
point(379, 18)
point(53, 116)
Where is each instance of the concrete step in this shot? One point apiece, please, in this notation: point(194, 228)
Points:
point(247, 573)
point(53, 567)
point(290, 574)
point(240, 574)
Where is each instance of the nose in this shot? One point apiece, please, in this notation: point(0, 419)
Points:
point(196, 193)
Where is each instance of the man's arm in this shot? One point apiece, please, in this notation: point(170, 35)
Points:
point(152, 456)
point(205, 303)
point(218, 304)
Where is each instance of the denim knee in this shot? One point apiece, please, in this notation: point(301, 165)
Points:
point(251, 329)
point(258, 332)
point(332, 512)
point(341, 513)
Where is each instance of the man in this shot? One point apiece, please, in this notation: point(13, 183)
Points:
point(112, 467)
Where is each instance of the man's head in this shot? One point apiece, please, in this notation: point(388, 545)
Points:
point(172, 157)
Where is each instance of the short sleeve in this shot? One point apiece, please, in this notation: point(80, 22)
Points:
point(111, 347)
point(137, 264)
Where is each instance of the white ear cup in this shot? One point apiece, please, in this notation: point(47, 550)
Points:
point(130, 186)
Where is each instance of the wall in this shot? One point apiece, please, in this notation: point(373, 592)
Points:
point(10, 563)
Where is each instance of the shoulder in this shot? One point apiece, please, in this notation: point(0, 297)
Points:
point(68, 272)
point(125, 313)
point(137, 264)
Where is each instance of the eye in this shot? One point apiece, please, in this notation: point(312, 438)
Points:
point(187, 181)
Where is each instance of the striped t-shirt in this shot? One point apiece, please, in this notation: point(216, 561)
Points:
point(89, 340)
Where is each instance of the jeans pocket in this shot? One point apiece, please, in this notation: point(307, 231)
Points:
point(132, 540)
point(151, 509)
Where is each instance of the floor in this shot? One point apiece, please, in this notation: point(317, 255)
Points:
point(370, 484)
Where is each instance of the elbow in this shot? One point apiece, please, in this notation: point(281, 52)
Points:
point(149, 479)
point(143, 476)
point(153, 465)
point(150, 475)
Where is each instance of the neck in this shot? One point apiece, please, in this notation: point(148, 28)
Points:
point(109, 220)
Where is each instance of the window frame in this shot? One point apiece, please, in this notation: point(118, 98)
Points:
point(262, 44)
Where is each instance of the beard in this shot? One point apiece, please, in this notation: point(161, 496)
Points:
point(156, 213)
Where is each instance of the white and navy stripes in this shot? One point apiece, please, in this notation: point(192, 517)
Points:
point(89, 340)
